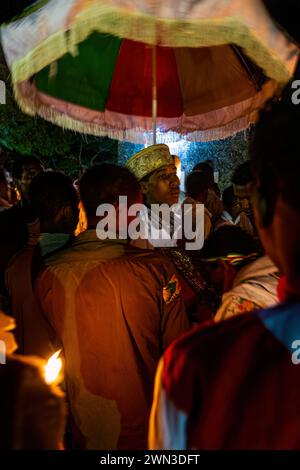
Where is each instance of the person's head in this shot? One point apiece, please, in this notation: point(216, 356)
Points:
point(3, 184)
point(207, 169)
point(226, 250)
point(276, 191)
point(209, 162)
point(54, 199)
point(230, 202)
point(241, 180)
point(196, 186)
point(104, 184)
point(155, 170)
point(242, 176)
point(24, 169)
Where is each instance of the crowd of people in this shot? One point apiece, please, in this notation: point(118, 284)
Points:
point(164, 347)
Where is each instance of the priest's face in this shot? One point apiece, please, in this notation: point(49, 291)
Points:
point(162, 186)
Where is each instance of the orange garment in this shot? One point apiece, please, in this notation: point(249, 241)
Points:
point(33, 333)
point(115, 308)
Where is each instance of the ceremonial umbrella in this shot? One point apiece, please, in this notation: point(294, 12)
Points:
point(200, 69)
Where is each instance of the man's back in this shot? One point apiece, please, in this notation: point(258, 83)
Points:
point(32, 330)
point(234, 385)
point(115, 309)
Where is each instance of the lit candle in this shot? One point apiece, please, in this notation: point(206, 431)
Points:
point(53, 369)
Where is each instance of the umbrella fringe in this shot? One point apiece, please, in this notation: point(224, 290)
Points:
point(136, 135)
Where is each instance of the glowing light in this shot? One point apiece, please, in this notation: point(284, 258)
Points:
point(179, 148)
point(53, 368)
point(177, 162)
point(161, 137)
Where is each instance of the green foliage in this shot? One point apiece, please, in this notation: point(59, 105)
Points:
point(27, 135)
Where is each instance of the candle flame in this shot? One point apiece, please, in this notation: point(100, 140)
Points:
point(53, 368)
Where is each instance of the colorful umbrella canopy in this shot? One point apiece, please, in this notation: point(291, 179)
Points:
point(109, 67)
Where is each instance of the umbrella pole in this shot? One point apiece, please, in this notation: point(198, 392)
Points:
point(154, 94)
